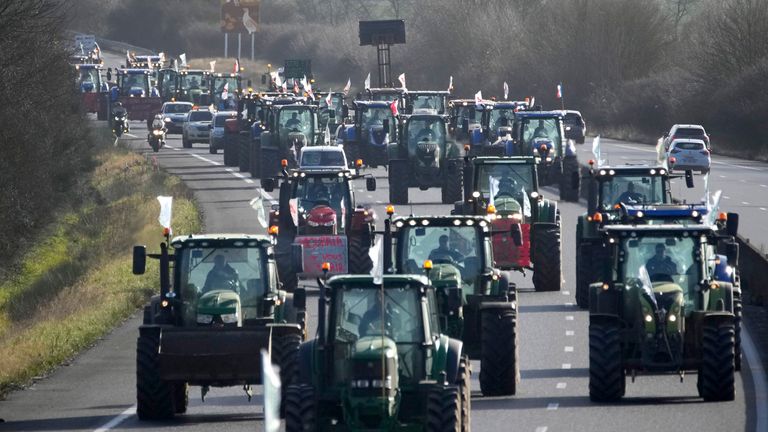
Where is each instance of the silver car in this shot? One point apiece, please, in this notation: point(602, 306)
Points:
point(197, 128)
point(216, 139)
point(322, 158)
point(689, 154)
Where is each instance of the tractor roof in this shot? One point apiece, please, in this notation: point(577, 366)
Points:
point(194, 71)
point(389, 281)
point(661, 230)
point(692, 212)
point(428, 92)
point(134, 71)
point(226, 75)
point(423, 115)
point(220, 240)
point(323, 172)
point(495, 160)
point(89, 66)
point(372, 104)
point(386, 90)
point(617, 171)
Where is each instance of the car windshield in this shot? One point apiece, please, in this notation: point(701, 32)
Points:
point(199, 116)
point(429, 129)
point(194, 81)
point(689, 132)
point(322, 159)
point(177, 108)
point(312, 191)
point(238, 269)
point(499, 114)
point(667, 264)
point(456, 250)
point(374, 116)
point(541, 128)
point(631, 190)
point(572, 120)
point(296, 120)
point(688, 145)
point(515, 180)
point(433, 102)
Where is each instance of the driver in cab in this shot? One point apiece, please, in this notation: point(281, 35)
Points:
point(445, 252)
point(630, 196)
point(221, 276)
point(371, 321)
point(293, 122)
point(660, 266)
point(540, 131)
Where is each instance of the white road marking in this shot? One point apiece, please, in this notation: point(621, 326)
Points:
point(764, 186)
point(745, 202)
point(726, 197)
point(561, 385)
point(566, 292)
point(541, 429)
point(379, 202)
point(569, 332)
point(197, 156)
point(568, 304)
point(721, 176)
point(566, 366)
point(762, 208)
point(552, 406)
point(117, 420)
point(240, 176)
point(130, 135)
point(569, 317)
point(569, 349)
point(758, 379)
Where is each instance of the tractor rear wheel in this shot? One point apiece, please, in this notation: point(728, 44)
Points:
point(547, 259)
point(499, 368)
point(398, 181)
point(270, 163)
point(444, 410)
point(285, 352)
point(180, 397)
point(154, 396)
point(244, 156)
point(230, 152)
point(737, 312)
point(607, 378)
point(359, 260)
point(582, 275)
point(717, 369)
point(568, 191)
point(300, 408)
point(453, 182)
point(255, 160)
point(185, 142)
point(465, 388)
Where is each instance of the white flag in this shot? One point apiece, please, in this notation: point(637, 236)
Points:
point(596, 149)
point(368, 81)
point(714, 207)
point(526, 204)
point(401, 78)
point(645, 279)
point(450, 84)
point(479, 97)
point(493, 189)
point(183, 58)
point(166, 206)
point(348, 86)
point(705, 199)
point(376, 253)
point(328, 135)
point(271, 379)
point(329, 99)
point(506, 90)
point(213, 66)
point(661, 154)
point(293, 208)
point(258, 205)
point(225, 92)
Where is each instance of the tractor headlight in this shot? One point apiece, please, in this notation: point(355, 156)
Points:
point(117, 118)
point(228, 318)
point(672, 318)
point(361, 383)
point(204, 319)
point(385, 383)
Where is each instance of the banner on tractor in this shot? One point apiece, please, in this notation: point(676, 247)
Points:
point(324, 248)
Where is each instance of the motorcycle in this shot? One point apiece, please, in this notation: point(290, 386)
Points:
point(157, 139)
point(120, 124)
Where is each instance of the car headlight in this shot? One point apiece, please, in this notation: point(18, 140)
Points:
point(229, 318)
point(167, 119)
point(204, 319)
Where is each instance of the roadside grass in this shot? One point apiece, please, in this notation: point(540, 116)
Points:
point(75, 284)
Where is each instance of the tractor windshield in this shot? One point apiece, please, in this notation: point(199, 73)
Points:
point(241, 270)
point(135, 84)
point(337, 101)
point(89, 80)
point(429, 102)
point(385, 96)
point(374, 116)
point(296, 119)
point(427, 130)
point(636, 189)
point(497, 116)
point(196, 81)
point(465, 112)
point(225, 91)
point(541, 128)
point(514, 180)
point(665, 265)
point(456, 253)
point(313, 191)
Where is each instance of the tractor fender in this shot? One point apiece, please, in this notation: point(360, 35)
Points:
point(453, 358)
point(393, 151)
point(268, 141)
point(717, 318)
point(150, 331)
point(453, 151)
point(306, 361)
point(362, 221)
point(724, 293)
point(476, 136)
point(547, 211)
point(503, 305)
point(544, 225)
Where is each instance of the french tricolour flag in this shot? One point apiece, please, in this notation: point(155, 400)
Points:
point(559, 91)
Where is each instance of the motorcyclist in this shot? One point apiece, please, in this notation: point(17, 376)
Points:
point(158, 124)
point(119, 111)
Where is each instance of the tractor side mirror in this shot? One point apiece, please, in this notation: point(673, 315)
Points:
point(263, 79)
point(268, 184)
point(689, 179)
point(385, 124)
point(139, 260)
point(454, 300)
point(517, 235)
point(575, 179)
point(300, 299)
point(732, 252)
point(732, 224)
point(297, 257)
point(370, 184)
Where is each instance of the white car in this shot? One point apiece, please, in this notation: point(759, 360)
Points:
point(689, 154)
point(686, 131)
point(321, 158)
point(196, 128)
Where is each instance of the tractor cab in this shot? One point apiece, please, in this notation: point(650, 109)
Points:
point(337, 106)
point(499, 121)
point(614, 187)
point(226, 89)
point(375, 127)
point(134, 82)
point(509, 184)
point(465, 116)
point(89, 78)
point(166, 83)
point(426, 102)
point(387, 95)
point(539, 134)
point(193, 86)
point(147, 62)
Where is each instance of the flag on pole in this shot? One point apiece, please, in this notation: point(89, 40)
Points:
point(329, 99)
point(450, 84)
point(533, 101)
point(367, 84)
point(393, 108)
point(479, 97)
point(213, 66)
point(506, 90)
point(526, 204)
point(348, 86)
point(645, 279)
point(236, 69)
point(183, 58)
point(493, 189)
point(376, 253)
point(166, 207)
point(401, 78)
point(328, 134)
point(272, 384)
point(559, 94)
point(596, 149)
point(258, 205)
point(225, 92)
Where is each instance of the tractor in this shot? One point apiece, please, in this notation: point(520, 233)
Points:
point(426, 102)
point(541, 134)
point(386, 95)
point(220, 303)
point(379, 361)
point(193, 86)
point(136, 93)
point(225, 90)
point(664, 304)
point(424, 157)
point(506, 188)
point(464, 118)
point(90, 85)
point(338, 107)
point(374, 129)
point(317, 209)
point(477, 303)
point(167, 84)
point(288, 126)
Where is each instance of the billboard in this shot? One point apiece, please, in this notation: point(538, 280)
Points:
point(240, 16)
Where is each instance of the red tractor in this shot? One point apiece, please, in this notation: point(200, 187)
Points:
point(317, 210)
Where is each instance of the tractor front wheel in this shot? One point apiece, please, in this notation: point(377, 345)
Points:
point(569, 191)
point(285, 351)
point(717, 369)
point(547, 259)
point(453, 182)
point(582, 276)
point(444, 410)
point(154, 396)
point(359, 260)
point(300, 408)
point(180, 397)
point(607, 378)
point(499, 368)
point(465, 388)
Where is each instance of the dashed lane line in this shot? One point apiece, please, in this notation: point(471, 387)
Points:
point(541, 429)
point(552, 406)
point(561, 386)
point(117, 420)
point(569, 349)
point(566, 292)
point(566, 366)
point(569, 317)
point(569, 332)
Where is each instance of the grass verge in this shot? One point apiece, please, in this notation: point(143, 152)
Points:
point(75, 284)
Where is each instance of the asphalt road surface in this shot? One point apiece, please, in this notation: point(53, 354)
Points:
point(97, 390)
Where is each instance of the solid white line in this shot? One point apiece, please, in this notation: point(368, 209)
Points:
point(569, 349)
point(745, 202)
point(758, 379)
point(541, 429)
point(552, 406)
point(117, 419)
point(726, 197)
point(566, 366)
point(569, 332)
point(569, 317)
point(561, 385)
point(238, 175)
point(566, 292)
point(197, 156)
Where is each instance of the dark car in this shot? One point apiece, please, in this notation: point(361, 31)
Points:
point(575, 128)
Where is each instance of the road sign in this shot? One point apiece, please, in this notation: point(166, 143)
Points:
point(88, 42)
point(297, 68)
point(239, 16)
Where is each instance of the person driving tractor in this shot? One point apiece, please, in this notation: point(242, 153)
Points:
point(293, 122)
point(371, 321)
point(221, 276)
point(540, 131)
point(630, 196)
point(660, 266)
point(444, 251)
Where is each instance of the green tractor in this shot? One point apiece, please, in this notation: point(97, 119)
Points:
point(477, 302)
point(507, 189)
point(207, 327)
point(424, 156)
point(379, 361)
point(664, 304)
point(288, 129)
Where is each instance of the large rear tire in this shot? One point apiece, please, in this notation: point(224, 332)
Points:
point(255, 160)
point(359, 260)
point(453, 182)
point(717, 369)
point(300, 408)
point(270, 163)
point(607, 378)
point(231, 151)
point(154, 396)
point(567, 190)
point(465, 389)
point(398, 181)
point(180, 397)
point(547, 259)
point(444, 410)
point(244, 157)
point(285, 352)
point(582, 275)
point(737, 312)
point(499, 368)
